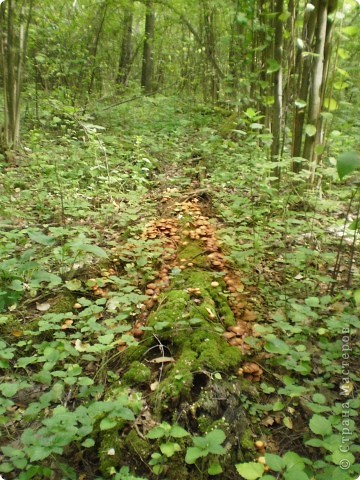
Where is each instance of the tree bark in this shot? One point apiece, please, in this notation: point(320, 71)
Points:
point(14, 28)
point(148, 59)
point(302, 71)
point(126, 49)
point(277, 87)
point(317, 79)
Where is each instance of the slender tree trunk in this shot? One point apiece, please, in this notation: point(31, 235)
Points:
point(211, 77)
point(278, 86)
point(126, 49)
point(95, 46)
point(14, 28)
point(302, 72)
point(316, 87)
point(148, 58)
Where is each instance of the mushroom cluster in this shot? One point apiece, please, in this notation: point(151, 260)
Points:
point(251, 371)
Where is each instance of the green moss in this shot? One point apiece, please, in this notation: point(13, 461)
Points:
point(137, 374)
point(110, 442)
point(137, 446)
point(63, 303)
point(214, 353)
point(193, 252)
point(247, 440)
point(178, 381)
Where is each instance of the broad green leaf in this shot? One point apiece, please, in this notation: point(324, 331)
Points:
point(296, 475)
point(278, 406)
point(351, 30)
point(330, 104)
point(319, 398)
point(275, 345)
point(73, 285)
point(169, 448)
point(293, 460)
point(273, 66)
point(215, 469)
point(178, 432)
point(274, 462)
point(216, 436)
point(310, 130)
point(347, 163)
point(250, 471)
point(357, 297)
point(320, 425)
point(89, 442)
point(9, 389)
point(106, 339)
point(43, 377)
point(193, 453)
point(107, 423)
point(87, 247)
point(156, 432)
point(312, 302)
point(38, 237)
point(338, 456)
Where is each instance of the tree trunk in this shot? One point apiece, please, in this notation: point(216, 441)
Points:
point(302, 71)
point(148, 59)
point(126, 49)
point(278, 87)
point(317, 79)
point(211, 77)
point(14, 28)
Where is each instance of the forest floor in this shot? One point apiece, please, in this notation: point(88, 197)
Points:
point(168, 312)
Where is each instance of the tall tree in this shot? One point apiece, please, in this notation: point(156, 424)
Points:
point(126, 48)
point(14, 29)
point(148, 54)
point(278, 84)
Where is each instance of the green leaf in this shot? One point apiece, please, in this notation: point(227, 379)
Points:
point(38, 237)
point(178, 432)
point(193, 453)
point(338, 456)
point(107, 423)
point(215, 469)
point(9, 389)
point(106, 339)
point(43, 377)
point(357, 297)
point(273, 66)
point(87, 247)
point(278, 406)
point(73, 285)
point(250, 471)
point(293, 460)
point(154, 433)
point(169, 448)
point(351, 30)
point(216, 436)
point(319, 398)
point(275, 345)
point(330, 104)
point(296, 475)
point(89, 442)
point(274, 462)
point(347, 163)
point(310, 130)
point(320, 425)
point(312, 302)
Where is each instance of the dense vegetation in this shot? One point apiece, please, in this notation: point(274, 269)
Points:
point(179, 288)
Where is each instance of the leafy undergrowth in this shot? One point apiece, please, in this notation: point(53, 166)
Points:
point(168, 311)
